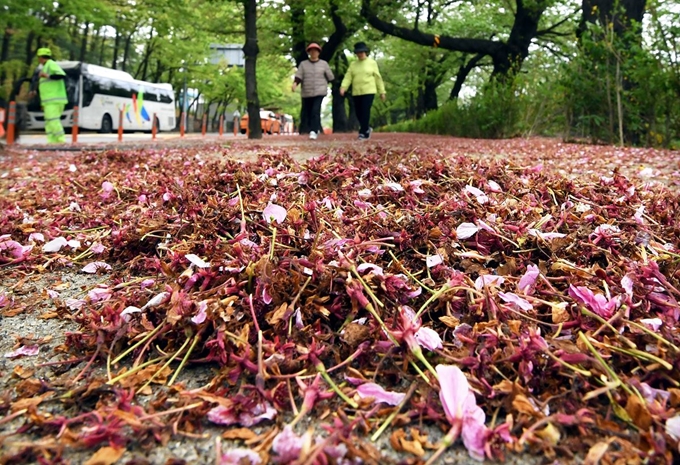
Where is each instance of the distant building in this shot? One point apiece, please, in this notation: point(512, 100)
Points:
point(231, 53)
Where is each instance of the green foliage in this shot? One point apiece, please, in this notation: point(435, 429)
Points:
point(616, 91)
point(492, 114)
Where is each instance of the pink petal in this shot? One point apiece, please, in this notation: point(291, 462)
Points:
point(453, 393)
point(33, 237)
point(4, 300)
point(287, 445)
point(627, 284)
point(516, 300)
point(125, 314)
point(52, 295)
point(196, 260)
point(75, 304)
point(526, 283)
point(97, 248)
point(596, 302)
point(474, 434)
point(107, 186)
point(239, 457)
point(274, 212)
point(434, 260)
point(24, 350)
point(652, 323)
point(222, 415)
point(466, 230)
point(96, 266)
point(488, 280)
point(673, 427)
point(545, 236)
point(379, 394)
point(54, 245)
point(375, 269)
point(99, 293)
point(428, 338)
point(201, 316)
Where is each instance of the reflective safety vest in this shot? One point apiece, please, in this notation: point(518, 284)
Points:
point(52, 90)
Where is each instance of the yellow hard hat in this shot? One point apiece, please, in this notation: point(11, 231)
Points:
point(44, 52)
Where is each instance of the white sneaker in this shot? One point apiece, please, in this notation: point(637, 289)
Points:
point(312, 135)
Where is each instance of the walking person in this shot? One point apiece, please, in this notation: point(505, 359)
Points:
point(364, 77)
point(314, 74)
point(52, 89)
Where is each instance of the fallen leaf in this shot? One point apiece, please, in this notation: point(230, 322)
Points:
point(106, 456)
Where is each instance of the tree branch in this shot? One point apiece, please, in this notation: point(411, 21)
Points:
point(465, 45)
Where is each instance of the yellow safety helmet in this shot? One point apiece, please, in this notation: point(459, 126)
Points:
point(44, 52)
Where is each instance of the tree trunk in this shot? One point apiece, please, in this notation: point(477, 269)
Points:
point(4, 52)
point(83, 43)
point(340, 119)
point(29, 48)
point(462, 75)
point(102, 47)
point(116, 45)
point(297, 21)
point(250, 50)
point(126, 52)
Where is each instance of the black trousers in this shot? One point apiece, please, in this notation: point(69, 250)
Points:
point(311, 114)
point(362, 107)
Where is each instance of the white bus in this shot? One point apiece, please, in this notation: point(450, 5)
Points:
point(101, 93)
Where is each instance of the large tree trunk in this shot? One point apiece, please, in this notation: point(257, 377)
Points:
point(83, 43)
point(250, 50)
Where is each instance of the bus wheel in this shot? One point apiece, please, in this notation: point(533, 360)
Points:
point(107, 125)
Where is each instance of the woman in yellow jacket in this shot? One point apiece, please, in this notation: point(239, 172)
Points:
point(364, 77)
point(53, 98)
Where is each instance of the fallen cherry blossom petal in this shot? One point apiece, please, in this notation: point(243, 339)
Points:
point(528, 280)
point(434, 260)
point(125, 314)
point(202, 314)
point(673, 427)
point(273, 212)
point(196, 260)
point(287, 445)
point(516, 300)
point(466, 230)
point(379, 394)
point(55, 245)
point(95, 267)
point(240, 457)
point(27, 351)
point(488, 280)
point(428, 338)
point(652, 323)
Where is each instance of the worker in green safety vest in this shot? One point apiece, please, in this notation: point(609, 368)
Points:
point(52, 88)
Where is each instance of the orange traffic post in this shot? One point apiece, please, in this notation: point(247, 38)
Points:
point(11, 121)
point(221, 125)
point(74, 127)
point(181, 125)
point(2, 122)
point(236, 128)
point(153, 127)
point(120, 127)
point(203, 126)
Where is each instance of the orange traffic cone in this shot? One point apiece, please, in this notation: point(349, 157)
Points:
point(2, 123)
